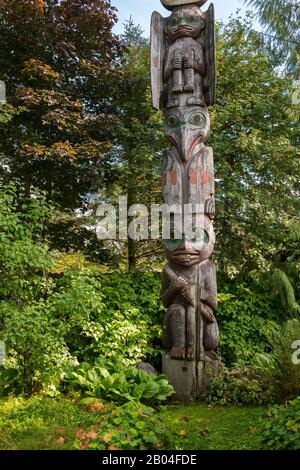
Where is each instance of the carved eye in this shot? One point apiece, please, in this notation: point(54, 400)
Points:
point(174, 21)
point(172, 121)
point(200, 238)
point(197, 119)
point(192, 19)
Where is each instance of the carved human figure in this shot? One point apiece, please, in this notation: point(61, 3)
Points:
point(184, 62)
point(189, 289)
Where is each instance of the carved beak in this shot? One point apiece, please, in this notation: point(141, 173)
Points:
point(188, 141)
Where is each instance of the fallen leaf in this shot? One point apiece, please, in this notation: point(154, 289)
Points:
point(183, 433)
point(85, 445)
point(60, 441)
point(97, 407)
point(113, 448)
point(91, 435)
point(107, 437)
point(80, 434)
point(205, 432)
point(184, 418)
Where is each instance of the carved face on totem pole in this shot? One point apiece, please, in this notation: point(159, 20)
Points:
point(185, 23)
point(195, 245)
point(186, 128)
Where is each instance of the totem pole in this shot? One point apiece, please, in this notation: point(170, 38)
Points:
point(183, 81)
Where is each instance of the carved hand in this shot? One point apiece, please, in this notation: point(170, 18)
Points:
point(185, 291)
point(210, 207)
point(178, 283)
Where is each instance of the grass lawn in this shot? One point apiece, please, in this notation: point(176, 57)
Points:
point(45, 424)
point(200, 427)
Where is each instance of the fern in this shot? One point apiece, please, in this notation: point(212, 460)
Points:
point(285, 289)
point(278, 365)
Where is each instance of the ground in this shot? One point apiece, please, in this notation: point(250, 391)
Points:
point(47, 423)
point(214, 428)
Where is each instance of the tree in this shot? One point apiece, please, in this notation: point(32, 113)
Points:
point(255, 140)
point(139, 142)
point(60, 61)
point(282, 20)
point(133, 34)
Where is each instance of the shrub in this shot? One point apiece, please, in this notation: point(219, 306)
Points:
point(131, 427)
point(36, 344)
point(114, 381)
point(278, 365)
point(24, 254)
point(282, 431)
point(244, 327)
point(8, 380)
point(114, 314)
point(240, 385)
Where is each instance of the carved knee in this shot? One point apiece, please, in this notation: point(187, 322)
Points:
point(211, 336)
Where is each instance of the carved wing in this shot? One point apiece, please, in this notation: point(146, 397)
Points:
point(172, 179)
point(201, 183)
point(211, 69)
point(157, 57)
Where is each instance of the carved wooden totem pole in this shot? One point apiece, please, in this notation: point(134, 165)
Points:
point(183, 76)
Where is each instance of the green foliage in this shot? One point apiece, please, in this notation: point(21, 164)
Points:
point(245, 386)
point(24, 254)
point(40, 423)
point(139, 145)
point(8, 380)
point(277, 365)
point(8, 112)
point(281, 19)
point(109, 314)
point(282, 431)
point(131, 427)
point(35, 342)
point(256, 148)
point(244, 321)
point(284, 288)
point(112, 380)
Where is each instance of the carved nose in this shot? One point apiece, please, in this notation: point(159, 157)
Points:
point(184, 245)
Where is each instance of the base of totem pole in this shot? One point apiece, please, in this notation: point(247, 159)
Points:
point(189, 378)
